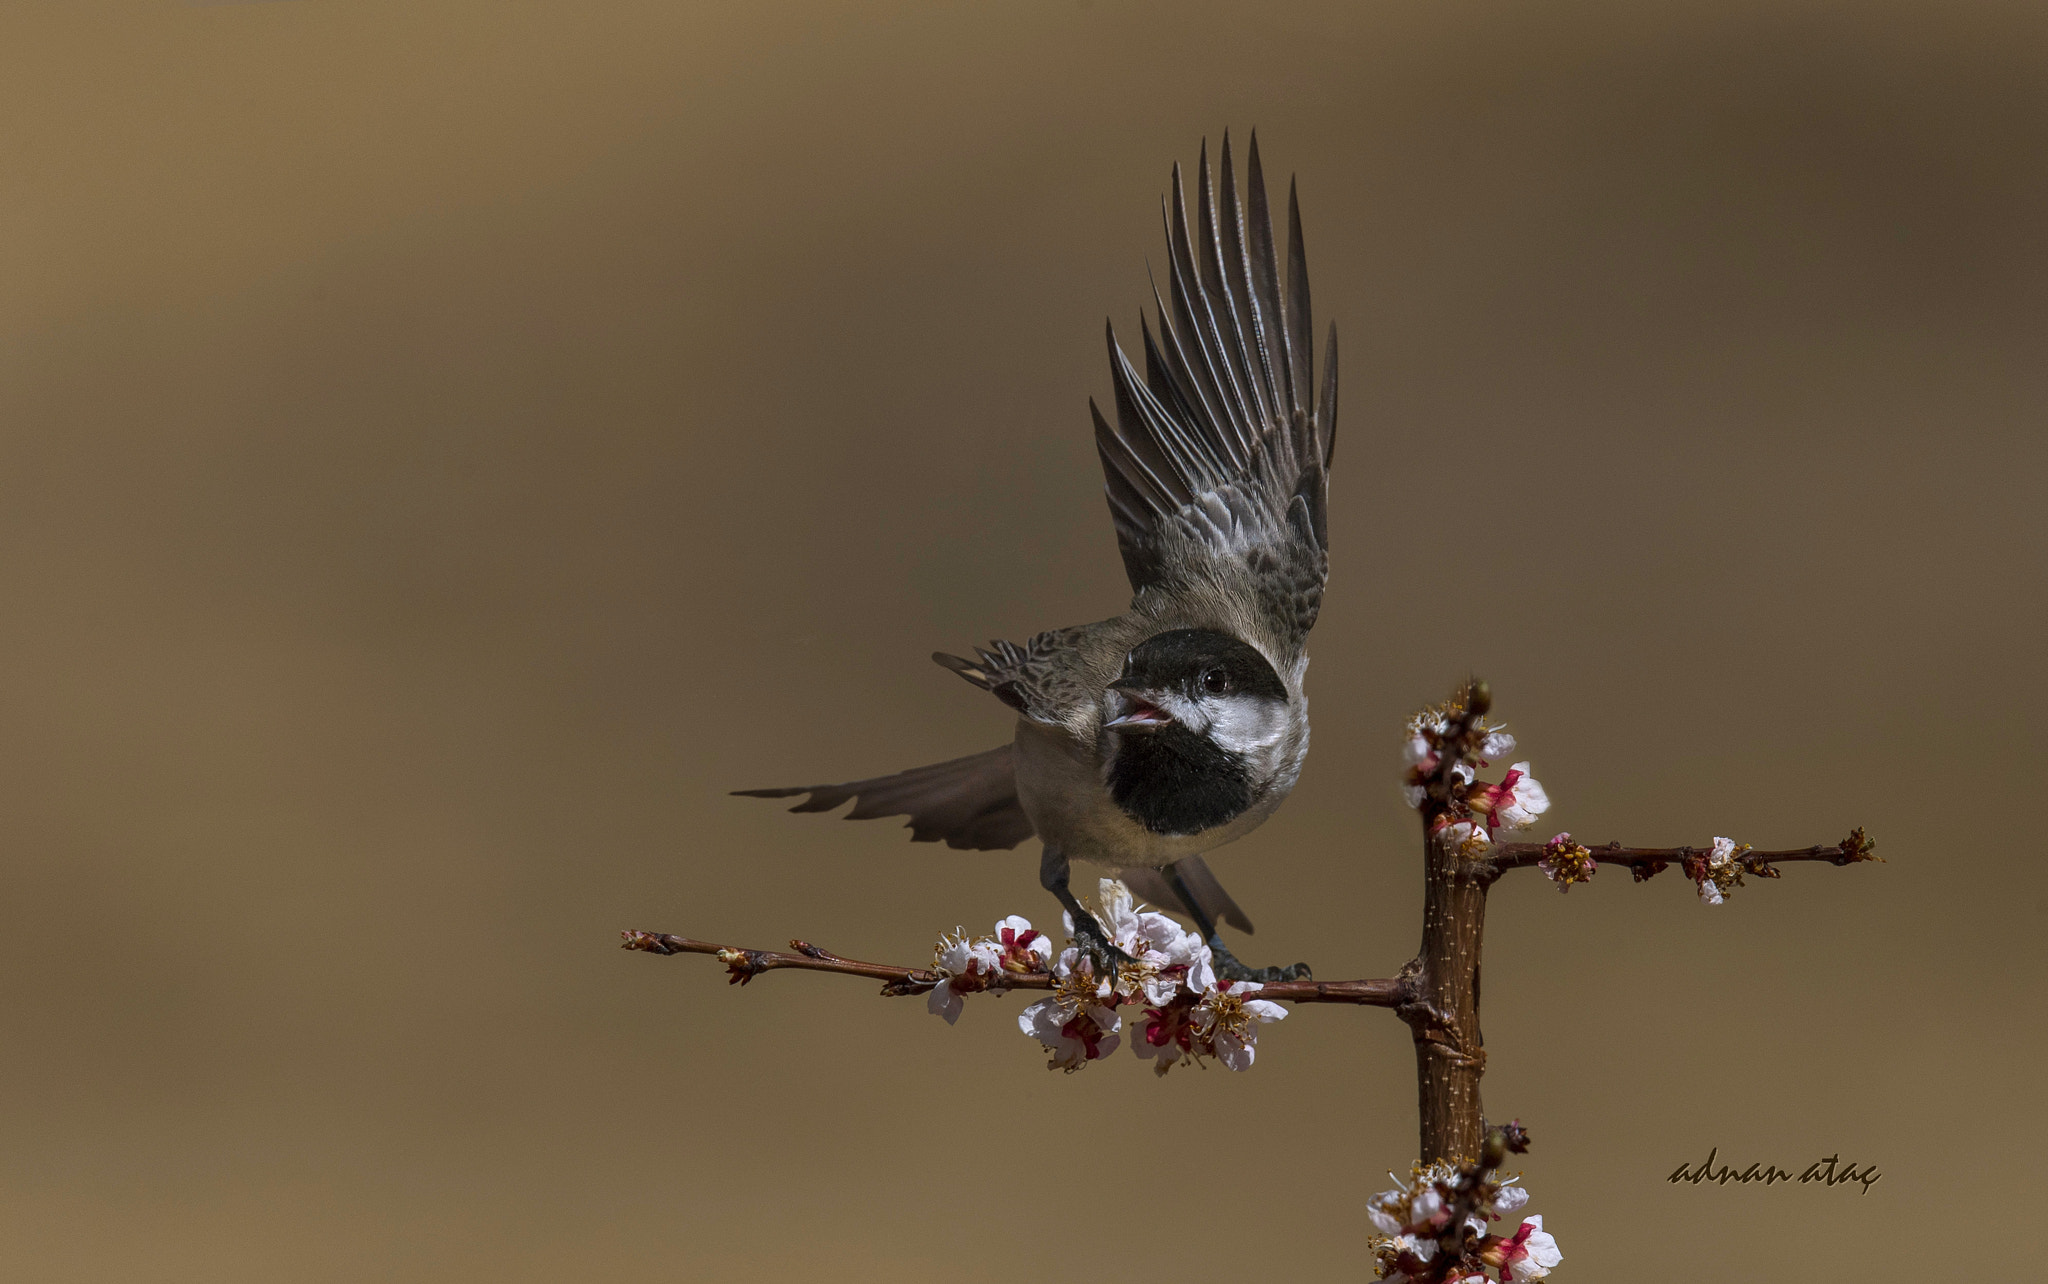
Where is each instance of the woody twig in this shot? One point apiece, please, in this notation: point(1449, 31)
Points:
point(1435, 1224)
point(743, 965)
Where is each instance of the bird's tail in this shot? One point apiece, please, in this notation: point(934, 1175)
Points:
point(968, 803)
point(1214, 903)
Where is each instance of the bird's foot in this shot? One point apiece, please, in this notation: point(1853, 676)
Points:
point(1104, 954)
point(1230, 969)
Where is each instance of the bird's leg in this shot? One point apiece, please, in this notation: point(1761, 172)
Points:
point(1227, 965)
point(1053, 873)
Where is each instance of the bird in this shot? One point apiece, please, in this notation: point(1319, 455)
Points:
point(1146, 740)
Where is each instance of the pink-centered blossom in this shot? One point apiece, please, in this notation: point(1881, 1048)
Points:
point(1514, 803)
point(1024, 949)
point(1222, 1023)
point(1413, 1220)
point(1529, 1254)
point(1078, 1024)
point(971, 965)
point(1422, 753)
point(1165, 1035)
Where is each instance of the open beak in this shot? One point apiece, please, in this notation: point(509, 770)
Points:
point(1136, 712)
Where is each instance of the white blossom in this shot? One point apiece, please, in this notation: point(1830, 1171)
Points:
point(945, 1001)
point(968, 965)
point(1420, 1248)
point(1497, 744)
point(1465, 837)
point(1164, 955)
point(1074, 1025)
point(1024, 948)
point(1165, 1036)
point(1228, 1021)
point(960, 956)
point(1424, 1205)
point(1509, 1198)
point(1529, 1254)
point(1719, 871)
point(1515, 802)
point(1183, 959)
point(1540, 1256)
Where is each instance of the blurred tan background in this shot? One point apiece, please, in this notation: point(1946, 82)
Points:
point(444, 447)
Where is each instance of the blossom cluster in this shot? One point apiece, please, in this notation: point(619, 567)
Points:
point(1189, 1015)
point(1435, 1227)
point(971, 966)
point(1719, 871)
point(1473, 810)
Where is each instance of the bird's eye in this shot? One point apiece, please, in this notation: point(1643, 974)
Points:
point(1216, 681)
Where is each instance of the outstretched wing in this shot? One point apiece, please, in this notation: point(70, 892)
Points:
point(1036, 679)
point(970, 803)
point(1221, 453)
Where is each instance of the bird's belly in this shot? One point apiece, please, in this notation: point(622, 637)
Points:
point(1062, 790)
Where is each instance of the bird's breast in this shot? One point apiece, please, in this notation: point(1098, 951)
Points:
point(1176, 783)
point(1152, 808)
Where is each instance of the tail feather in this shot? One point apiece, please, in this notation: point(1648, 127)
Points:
point(969, 803)
point(1215, 904)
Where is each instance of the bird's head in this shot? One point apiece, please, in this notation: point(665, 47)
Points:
point(1202, 683)
point(1199, 731)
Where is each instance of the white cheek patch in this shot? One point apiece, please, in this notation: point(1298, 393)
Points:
point(1246, 724)
point(1185, 711)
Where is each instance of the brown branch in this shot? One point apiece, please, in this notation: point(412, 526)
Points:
point(743, 966)
point(1450, 1051)
point(1647, 862)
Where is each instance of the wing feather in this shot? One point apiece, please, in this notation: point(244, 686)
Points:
point(1223, 435)
point(1037, 679)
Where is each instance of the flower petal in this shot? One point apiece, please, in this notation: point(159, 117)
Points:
point(1233, 1052)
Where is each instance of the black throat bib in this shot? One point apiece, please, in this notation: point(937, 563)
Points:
point(1175, 782)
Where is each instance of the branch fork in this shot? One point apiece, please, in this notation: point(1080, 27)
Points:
point(1436, 993)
